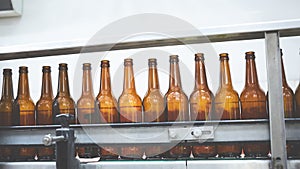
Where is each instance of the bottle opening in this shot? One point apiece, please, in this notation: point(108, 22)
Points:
point(86, 66)
point(23, 69)
point(46, 69)
point(63, 66)
point(224, 56)
point(250, 55)
point(128, 62)
point(152, 62)
point(174, 58)
point(7, 72)
point(105, 63)
point(199, 56)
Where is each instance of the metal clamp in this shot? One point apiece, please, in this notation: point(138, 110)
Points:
point(191, 133)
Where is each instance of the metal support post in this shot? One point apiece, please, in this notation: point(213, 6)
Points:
point(276, 115)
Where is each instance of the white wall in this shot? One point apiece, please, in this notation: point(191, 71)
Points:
point(46, 21)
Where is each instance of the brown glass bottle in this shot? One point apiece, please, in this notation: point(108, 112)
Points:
point(288, 106)
point(226, 105)
point(63, 102)
point(297, 101)
point(6, 112)
point(130, 107)
point(44, 114)
point(176, 105)
point(253, 105)
point(107, 108)
point(201, 105)
point(86, 110)
point(25, 111)
point(288, 94)
point(154, 105)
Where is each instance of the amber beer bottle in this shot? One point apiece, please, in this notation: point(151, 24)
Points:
point(44, 114)
point(297, 101)
point(130, 107)
point(201, 105)
point(154, 106)
point(63, 102)
point(253, 105)
point(25, 110)
point(86, 109)
point(176, 105)
point(288, 105)
point(288, 94)
point(107, 108)
point(227, 106)
point(6, 112)
point(296, 145)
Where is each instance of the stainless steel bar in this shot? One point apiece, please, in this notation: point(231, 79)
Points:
point(70, 48)
point(276, 116)
point(140, 133)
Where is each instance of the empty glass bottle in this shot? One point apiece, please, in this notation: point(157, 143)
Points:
point(44, 113)
point(107, 108)
point(154, 106)
point(297, 101)
point(24, 109)
point(63, 102)
point(6, 112)
point(227, 106)
point(253, 105)
point(86, 110)
point(201, 105)
point(176, 105)
point(130, 107)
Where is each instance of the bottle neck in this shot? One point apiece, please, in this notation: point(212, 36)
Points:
point(87, 86)
point(225, 77)
point(7, 89)
point(200, 75)
point(153, 82)
point(175, 81)
point(63, 83)
point(23, 88)
point(284, 82)
point(105, 85)
point(129, 84)
point(47, 85)
point(251, 74)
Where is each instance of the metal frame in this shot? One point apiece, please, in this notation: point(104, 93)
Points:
point(276, 115)
point(17, 9)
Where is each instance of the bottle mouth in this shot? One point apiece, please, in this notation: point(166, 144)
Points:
point(7, 71)
point(104, 63)
point(128, 62)
point(174, 58)
point(250, 55)
point(46, 69)
point(23, 69)
point(63, 66)
point(152, 62)
point(86, 66)
point(199, 57)
point(224, 56)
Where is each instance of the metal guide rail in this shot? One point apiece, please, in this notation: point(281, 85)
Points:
point(153, 133)
point(184, 164)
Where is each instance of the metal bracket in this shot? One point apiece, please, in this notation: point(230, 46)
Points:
point(191, 133)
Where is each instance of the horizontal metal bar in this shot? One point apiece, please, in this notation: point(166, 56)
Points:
point(65, 48)
point(189, 164)
point(248, 130)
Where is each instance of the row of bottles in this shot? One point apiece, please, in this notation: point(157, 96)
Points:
point(174, 106)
